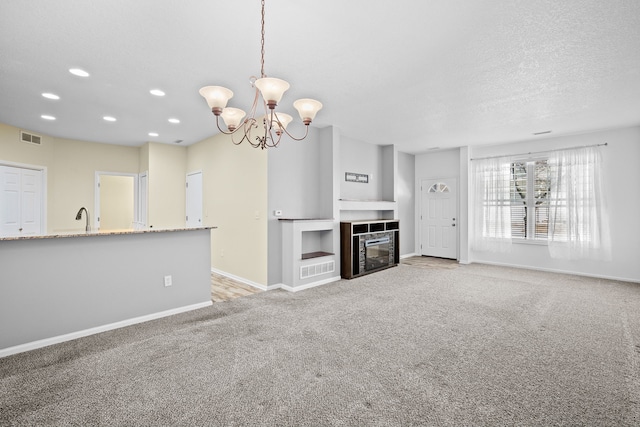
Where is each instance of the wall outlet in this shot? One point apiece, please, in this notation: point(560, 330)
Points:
point(222, 253)
point(168, 281)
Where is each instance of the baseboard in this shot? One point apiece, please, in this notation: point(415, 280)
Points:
point(242, 280)
point(309, 285)
point(91, 331)
point(553, 270)
point(408, 255)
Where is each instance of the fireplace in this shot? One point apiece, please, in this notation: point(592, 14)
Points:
point(368, 246)
point(376, 253)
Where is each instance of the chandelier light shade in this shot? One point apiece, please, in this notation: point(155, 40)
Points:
point(268, 93)
point(217, 97)
point(271, 90)
point(307, 108)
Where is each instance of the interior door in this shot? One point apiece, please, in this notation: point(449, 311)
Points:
point(194, 200)
point(20, 201)
point(438, 215)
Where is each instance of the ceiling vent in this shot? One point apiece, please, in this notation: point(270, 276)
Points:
point(30, 138)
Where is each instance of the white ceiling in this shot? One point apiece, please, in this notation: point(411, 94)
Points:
point(416, 73)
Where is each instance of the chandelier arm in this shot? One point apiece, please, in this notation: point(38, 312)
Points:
point(306, 132)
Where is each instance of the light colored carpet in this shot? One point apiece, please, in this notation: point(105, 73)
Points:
point(474, 345)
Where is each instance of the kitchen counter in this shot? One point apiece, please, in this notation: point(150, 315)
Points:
point(100, 233)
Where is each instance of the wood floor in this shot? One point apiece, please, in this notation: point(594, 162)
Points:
point(430, 262)
point(225, 289)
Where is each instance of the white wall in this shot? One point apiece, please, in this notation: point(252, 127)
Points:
point(621, 175)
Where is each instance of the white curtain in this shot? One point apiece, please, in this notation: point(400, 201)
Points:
point(578, 219)
point(492, 206)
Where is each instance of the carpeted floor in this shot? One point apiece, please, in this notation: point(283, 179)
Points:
point(473, 345)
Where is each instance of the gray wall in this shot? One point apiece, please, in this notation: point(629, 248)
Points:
point(58, 286)
point(361, 157)
point(300, 185)
point(406, 198)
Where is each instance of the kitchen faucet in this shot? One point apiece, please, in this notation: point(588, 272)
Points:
point(79, 217)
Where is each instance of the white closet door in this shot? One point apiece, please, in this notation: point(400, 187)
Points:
point(194, 200)
point(20, 201)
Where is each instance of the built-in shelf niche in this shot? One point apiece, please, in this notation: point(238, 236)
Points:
point(308, 252)
point(317, 243)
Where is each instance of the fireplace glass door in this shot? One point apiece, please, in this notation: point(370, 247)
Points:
point(376, 253)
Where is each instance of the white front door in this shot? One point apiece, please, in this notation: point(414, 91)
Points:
point(194, 199)
point(20, 201)
point(438, 216)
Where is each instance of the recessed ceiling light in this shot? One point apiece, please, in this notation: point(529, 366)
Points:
point(109, 118)
point(50, 95)
point(153, 134)
point(156, 92)
point(47, 117)
point(78, 72)
point(175, 121)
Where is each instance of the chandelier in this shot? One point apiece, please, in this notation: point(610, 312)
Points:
point(269, 91)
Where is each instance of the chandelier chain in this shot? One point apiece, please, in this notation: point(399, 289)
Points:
point(262, 47)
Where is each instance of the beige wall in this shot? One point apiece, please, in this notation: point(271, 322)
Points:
point(72, 178)
point(117, 201)
point(234, 181)
point(234, 189)
point(71, 167)
point(167, 177)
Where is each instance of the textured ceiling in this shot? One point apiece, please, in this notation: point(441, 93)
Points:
point(416, 73)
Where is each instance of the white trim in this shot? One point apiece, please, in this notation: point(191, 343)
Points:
point(277, 285)
point(91, 331)
point(553, 270)
point(241, 280)
point(408, 255)
point(309, 285)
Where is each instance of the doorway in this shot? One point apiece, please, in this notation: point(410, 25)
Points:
point(194, 200)
point(116, 198)
point(438, 218)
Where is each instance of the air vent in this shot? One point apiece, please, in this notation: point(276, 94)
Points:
point(30, 138)
point(317, 269)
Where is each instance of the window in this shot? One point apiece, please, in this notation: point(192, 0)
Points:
point(529, 192)
point(558, 200)
point(439, 188)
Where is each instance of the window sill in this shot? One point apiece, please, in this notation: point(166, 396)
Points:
point(537, 242)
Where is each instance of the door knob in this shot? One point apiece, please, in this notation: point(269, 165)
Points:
point(453, 219)
point(453, 225)
point(20, 229)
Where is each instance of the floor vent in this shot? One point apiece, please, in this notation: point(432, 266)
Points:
point(317, 269)
point(30, 138)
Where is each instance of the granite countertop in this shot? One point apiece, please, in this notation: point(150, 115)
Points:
point(101, 233)
point(305, 219)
